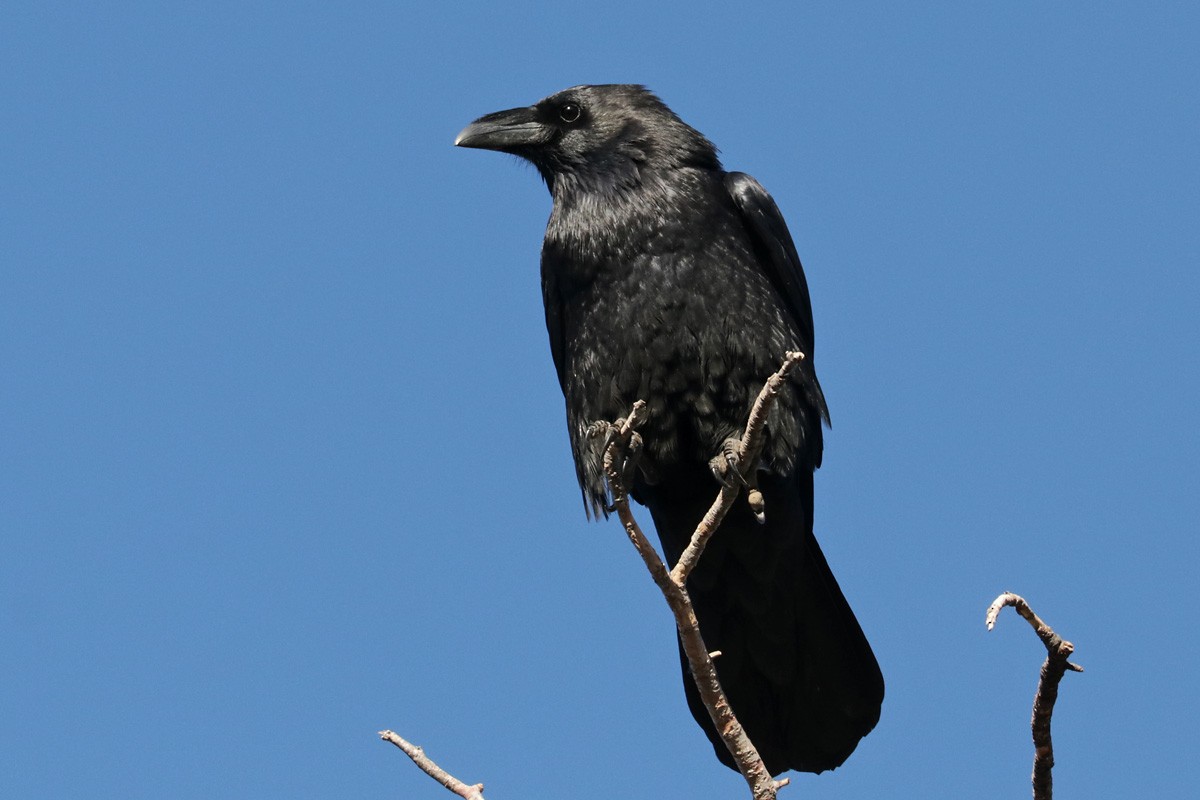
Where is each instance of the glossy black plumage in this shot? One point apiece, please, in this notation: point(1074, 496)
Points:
point(667, 279)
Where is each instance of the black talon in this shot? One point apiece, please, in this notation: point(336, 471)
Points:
point(735, 466)
point(726, 466)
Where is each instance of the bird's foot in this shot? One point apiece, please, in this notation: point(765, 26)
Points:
point(726, 465)
point(633, 455)
point(604, 431)
point(727, 468)
point(626, 458)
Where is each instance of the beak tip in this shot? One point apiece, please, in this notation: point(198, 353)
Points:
point(474, 138)
point(505, 131)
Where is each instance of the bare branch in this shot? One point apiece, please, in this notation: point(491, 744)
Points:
point(672, 584)
point(1058, 650)
point(433, 770)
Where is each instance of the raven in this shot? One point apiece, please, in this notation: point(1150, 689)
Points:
point(669, 280)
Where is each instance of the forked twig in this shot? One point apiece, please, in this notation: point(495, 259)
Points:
point(1058, 650)
point(673, 583)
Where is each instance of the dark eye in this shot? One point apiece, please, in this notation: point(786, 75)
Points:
point(569, 112)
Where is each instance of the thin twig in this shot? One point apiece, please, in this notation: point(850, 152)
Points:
point(433, 770)
point(1058, 650)
point(672, 584)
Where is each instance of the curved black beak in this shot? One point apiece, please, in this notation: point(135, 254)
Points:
point(507, 131)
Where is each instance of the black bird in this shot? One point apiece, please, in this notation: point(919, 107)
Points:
point(667, 279)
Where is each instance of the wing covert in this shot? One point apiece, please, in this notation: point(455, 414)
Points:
point(776, 249)
point(777, 254)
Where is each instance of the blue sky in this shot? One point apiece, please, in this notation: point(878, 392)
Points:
point(284, 459)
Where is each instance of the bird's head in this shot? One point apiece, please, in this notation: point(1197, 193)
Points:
point(594, 137)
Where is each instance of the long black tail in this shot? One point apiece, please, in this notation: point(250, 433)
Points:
point(797, 669)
